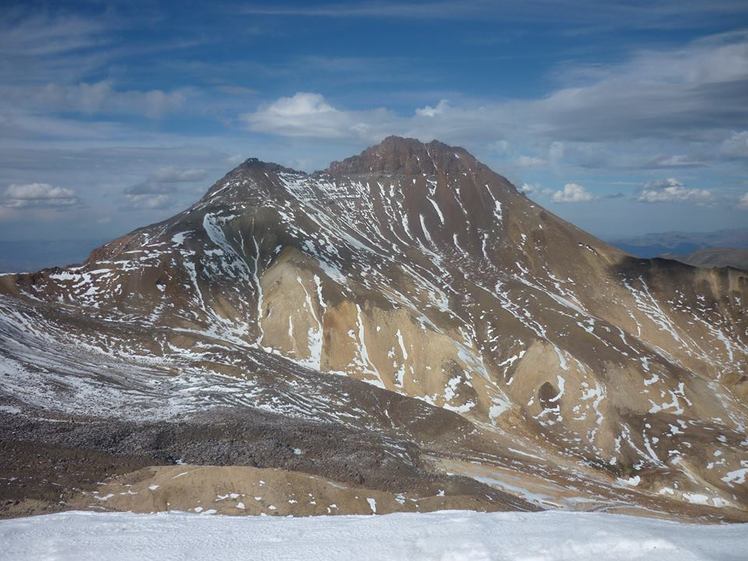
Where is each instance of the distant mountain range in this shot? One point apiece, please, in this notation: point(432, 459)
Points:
point(682, 243)
point(714, 257)
point(34, 255)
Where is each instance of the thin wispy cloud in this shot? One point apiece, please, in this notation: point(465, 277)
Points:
point(159, 190)
point(148, 201)
point(38, 195)
point(90, 98)
point(675, 161)
point(23, 35)
point(736, 145)
point(662, 14)
point(671, 190)
point(531, 161)
point(172, 174)
point(370, 10)
point(743, 202)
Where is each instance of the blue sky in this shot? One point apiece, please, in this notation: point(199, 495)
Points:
point(622, 117)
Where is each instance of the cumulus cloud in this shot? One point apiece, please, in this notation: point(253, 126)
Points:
point(38, 195)
point(743, 202)
point(572, 193)
point(672, 190)
point(535, 190)
point(309, 114)
point(429, 111)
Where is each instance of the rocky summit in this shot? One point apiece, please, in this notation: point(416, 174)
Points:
point(402, 331)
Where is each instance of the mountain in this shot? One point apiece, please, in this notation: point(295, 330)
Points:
point(714, 257)
point(404, 327)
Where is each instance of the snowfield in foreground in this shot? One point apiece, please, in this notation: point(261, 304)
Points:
point(445, 536)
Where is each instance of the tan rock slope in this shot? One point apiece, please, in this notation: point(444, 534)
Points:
point(411, 293)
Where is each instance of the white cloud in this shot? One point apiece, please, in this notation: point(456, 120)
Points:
point(743, 202)
point(148, 201)
point(97, 97)
point(38, 195)
point(309, 114)
point(672, 190)
point(301, 104)
point(235, 159)
point(572, 193)
point(675, 161)
point(299, 115)
point(530, 162)
point(173, 174)
point(429, 111)
point(25, 125)
point(535, 189)
point(41, 35)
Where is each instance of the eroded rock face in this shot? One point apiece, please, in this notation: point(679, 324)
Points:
point(414, 268)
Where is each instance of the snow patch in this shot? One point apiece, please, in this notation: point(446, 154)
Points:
point(541, 536)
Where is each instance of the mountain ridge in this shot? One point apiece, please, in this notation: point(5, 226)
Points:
point(714, 257)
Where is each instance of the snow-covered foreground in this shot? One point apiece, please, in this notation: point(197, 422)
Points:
point(451, 535)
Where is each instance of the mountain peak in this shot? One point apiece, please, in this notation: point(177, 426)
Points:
point(397, 154)
point(255, 163)
point(249, 168)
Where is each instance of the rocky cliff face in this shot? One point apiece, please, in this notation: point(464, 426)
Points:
point(409, 291)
